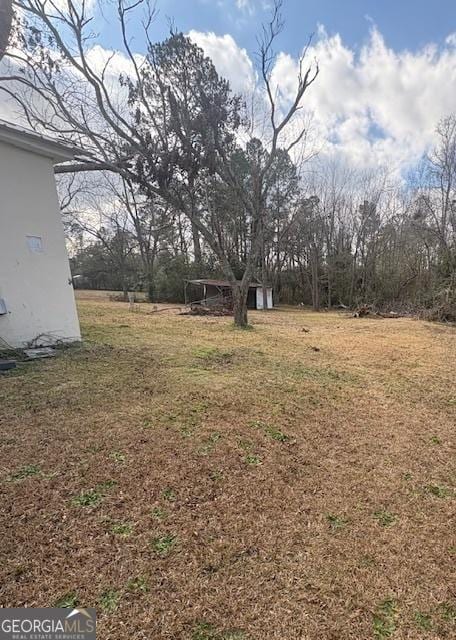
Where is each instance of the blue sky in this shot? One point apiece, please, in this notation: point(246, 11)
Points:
point(387, 67)
point(405, 24)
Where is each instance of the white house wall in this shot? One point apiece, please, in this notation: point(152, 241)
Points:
point(35, 279)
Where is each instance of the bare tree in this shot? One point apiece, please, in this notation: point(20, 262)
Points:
point(93, 213)
point(161, 157)
point(435, 209)
point(113, 212)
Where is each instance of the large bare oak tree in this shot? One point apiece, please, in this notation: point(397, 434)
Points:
point(170, 125)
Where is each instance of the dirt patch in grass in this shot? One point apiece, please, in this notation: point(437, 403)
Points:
point(195, 482)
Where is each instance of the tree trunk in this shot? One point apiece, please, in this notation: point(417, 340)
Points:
point(263, 271)
point(352, 278)
point(125, 289)
point(6, 14)
point(329, 273)
point(240, 294)
point(197, 247)
point(315, 283)
point(150, 285)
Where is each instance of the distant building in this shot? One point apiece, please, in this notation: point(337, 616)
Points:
point(216, 292)
point(36, 292)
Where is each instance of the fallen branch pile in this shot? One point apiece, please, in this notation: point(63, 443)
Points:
point(443, 312)
point(203, 310)
point(368, 311)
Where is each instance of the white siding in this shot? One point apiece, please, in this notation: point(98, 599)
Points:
point(34, 269)
point(259, 297)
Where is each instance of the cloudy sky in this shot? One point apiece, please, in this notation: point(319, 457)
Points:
point(387, 67)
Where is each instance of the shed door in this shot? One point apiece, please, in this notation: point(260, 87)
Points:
point(259, 298)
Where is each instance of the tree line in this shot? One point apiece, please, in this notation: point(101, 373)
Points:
point(178, 176)
point(338, 237)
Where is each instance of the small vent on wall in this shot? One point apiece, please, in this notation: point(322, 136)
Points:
point(35, 244)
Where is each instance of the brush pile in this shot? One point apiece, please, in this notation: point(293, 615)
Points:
point(444, 307)
point(367, 310)
point(212, 310)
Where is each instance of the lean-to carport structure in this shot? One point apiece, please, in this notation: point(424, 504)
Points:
point(208, 292)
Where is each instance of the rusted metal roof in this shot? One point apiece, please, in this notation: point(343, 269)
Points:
point(221, 283)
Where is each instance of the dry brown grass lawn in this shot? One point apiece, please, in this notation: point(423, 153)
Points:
point(196, 482)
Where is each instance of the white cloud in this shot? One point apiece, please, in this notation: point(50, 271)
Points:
point(375, 106)
point(113, 63)
point(109, 63)
point(245, 5)
point(62, 5)
point(231, 62)
point(382, 105)
point(250, 6)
